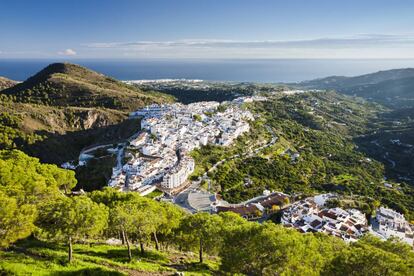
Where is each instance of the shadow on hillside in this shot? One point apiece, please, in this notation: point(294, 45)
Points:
point(192, 267)
point(33, 243)
point(89, 272)
point(59, 148)
point(398, 159)
point(121, 254)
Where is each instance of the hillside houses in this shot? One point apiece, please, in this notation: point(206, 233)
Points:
point(310, 215)
point(159, 153)
point(257, 207)
point(388, 223)
point(178, 174)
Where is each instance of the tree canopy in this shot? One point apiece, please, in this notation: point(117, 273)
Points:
point(25, 183)
point(72, 218)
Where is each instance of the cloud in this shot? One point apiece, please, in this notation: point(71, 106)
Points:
point(67, 52)
point(356, 46)
point(364, 40)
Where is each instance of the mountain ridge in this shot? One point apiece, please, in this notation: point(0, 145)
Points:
point(66, 84)
point(392, 88)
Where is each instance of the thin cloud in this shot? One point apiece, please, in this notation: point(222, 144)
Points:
point(67, 52)
point(366, 40)
point(357, 46)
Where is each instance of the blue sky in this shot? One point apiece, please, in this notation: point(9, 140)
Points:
point(206, 29)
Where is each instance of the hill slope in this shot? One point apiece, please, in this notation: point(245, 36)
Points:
point(65, 107)
point(393, 88)
point(65, 84)
point(6, 83)
point(391, 138)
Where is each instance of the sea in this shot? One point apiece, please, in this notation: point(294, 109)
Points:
point(240, 70)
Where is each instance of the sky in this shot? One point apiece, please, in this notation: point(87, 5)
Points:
point(213, 29)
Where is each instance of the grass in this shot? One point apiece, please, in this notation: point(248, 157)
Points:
point(154, 194)
point(34, 257)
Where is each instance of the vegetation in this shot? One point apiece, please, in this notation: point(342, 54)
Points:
point(190, 92)
point(11, 136)
point(46, 229)
point(66, 107)
point(65, 84)
point(391, 88)
point(25, 184)
point(227, 243)
point(72, 219)
point(320, 128)
point(34, 257)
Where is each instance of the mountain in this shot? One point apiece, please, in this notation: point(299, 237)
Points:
point(390, 140)
point(65, 84)
point(334, 82)
point(392, 88)
point(65, 107)
point(6, 83)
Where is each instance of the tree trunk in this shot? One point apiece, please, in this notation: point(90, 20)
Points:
point(123, 237)
point(157, 245)
point(141, 245)
point(70, 254)
point(128, 246)
point(200, 253)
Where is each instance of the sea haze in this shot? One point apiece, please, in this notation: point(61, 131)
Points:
point(273, 70)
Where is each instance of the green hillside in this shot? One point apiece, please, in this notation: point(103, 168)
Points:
point(66, 107)
point(393, 88)
point(322, 128)
point(46, 230)
point(398, 93)
point(65, 84)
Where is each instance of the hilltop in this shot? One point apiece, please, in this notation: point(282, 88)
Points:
point(65, 107)
point(6, 83)
point(65, 84)
point(392, 88)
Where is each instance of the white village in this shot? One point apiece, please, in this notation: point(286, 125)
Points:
point(158, 156)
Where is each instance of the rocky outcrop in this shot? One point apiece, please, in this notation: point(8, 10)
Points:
point(93, 119)
point(6, 83)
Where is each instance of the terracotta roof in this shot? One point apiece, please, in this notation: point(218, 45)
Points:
point(272, 200)
point(242, 210)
